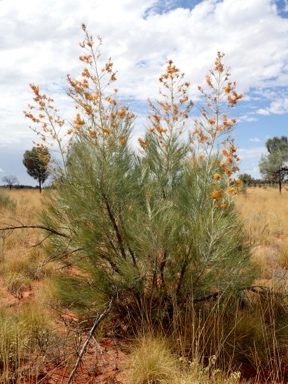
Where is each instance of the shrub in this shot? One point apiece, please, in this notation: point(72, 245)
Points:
point(7, 202)
point(158, 225)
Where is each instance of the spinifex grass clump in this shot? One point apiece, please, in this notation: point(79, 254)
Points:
point(158, 226)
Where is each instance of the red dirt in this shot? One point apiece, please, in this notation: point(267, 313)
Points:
point(100, 364)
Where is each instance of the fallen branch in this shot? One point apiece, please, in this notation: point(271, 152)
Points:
point(97, 322)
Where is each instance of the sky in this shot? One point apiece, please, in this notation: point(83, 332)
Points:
point(40, 44)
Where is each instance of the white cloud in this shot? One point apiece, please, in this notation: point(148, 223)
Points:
point(262, 111)
point(251, 153)
point(248, 118)
point(255, 140)
point(279, 106)
point(249, 160)
point(39, 44)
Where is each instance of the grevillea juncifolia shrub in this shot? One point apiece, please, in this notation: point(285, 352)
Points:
point(158, 223)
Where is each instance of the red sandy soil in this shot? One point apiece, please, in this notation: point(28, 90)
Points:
point(100, 364)
point(102, 361)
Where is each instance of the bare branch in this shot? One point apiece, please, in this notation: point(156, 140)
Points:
point(93, 329)
point(9, 228)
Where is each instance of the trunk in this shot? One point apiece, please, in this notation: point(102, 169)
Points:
point(280, 182)
point(40, 186)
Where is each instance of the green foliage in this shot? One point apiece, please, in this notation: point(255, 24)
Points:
point(277, 144)
point(36, 162)
point(246, 179)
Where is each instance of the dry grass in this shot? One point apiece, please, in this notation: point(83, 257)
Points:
point(264, 212)
point(27, 325)
point(252, 336)
point(152, 361)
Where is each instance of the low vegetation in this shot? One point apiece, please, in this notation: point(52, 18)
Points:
point(229, 340)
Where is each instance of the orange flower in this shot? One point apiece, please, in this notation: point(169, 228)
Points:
point(121, 113)
point(229, 159)
point(228, 172)
point(230, 190)
point(217, 176)
point(224, 205)
point(216, 195)
point(142, 142)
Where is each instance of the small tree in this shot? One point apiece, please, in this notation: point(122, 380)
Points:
point(273, 167)
point(10, 181)
point(246, 179)
point(36, 161)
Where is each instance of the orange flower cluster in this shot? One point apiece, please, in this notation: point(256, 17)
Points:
point(219, 93)
point(170, 114)
point(104, 116)
point(48, 118)
point(217, 195)
point(98, 115)
point(234, 98)
point(78, 121)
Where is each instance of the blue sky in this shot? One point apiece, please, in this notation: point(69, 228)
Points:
point(39, 44)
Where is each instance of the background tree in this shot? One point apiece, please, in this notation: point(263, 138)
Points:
point(246, 179)
point(36, 161)
point(10, 180)
point(273, 167)
point(277, 144)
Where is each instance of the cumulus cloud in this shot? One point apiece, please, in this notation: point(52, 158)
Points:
point(251, 153)
point(39, 44)
point(279, 106)
point(248, 118)
point(262, 111)
point(249, 160)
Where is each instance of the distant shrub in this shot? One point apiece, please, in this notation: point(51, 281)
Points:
point(7, 202)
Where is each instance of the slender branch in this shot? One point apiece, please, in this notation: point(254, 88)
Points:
point(112, 218)
point(254, 288)
point(95, 325)
point(182, 272)
point(133, 257)
point(205, 298)
point(33, 227)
